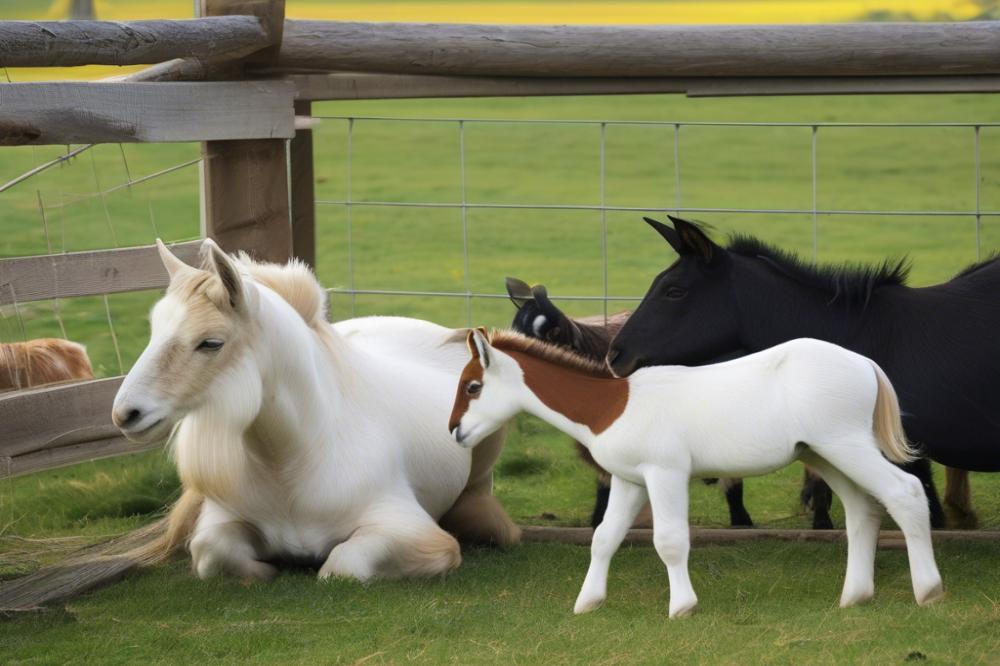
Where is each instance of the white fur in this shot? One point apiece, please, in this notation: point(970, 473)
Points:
point(802, 400)
point(319, 443)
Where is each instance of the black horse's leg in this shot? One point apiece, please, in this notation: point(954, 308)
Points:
point(601, 504)
point(738, 516)
point(817, 496)
point(921, 468)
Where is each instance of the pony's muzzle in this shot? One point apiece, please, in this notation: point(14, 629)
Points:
point(621, 365)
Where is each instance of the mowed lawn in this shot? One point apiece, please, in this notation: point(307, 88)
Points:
point(763, 602)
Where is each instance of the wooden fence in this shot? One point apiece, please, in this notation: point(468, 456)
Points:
point(238, 79)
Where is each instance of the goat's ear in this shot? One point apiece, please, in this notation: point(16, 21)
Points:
point(668, 234)
point(173, 265)
point(519, 291)
point(222, 265)
point(695, 241)
point(479, 345)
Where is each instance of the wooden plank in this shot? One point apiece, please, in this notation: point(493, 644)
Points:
point(339, 86)
point(303, 190)
point(65, 113)
point(849, 49)
point(25, 279)
point(246, 197)
point(48, 418)
point(71, 454)
point(72, 43)
point(708, 535)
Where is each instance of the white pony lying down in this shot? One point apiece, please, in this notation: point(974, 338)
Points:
point(802, 400)
point(298, 440)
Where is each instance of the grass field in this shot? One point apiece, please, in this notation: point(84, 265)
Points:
point(767, 602)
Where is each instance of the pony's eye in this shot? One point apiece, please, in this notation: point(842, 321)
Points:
point(676, 292)
point(473, 388)
point(210, 344)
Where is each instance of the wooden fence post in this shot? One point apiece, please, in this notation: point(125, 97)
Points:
point(303, 190)
point(246, 199)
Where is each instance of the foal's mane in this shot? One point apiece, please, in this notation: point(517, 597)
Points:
point(294, 282)
point(512, 341)
point(852, 282)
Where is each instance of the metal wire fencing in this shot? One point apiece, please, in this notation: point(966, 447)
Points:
point(804, 185)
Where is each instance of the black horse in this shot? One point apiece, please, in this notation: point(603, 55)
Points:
point(938, 345)
point(538, 317)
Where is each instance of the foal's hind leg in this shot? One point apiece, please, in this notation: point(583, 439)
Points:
point(668, 494)
point(863, 516)
point(903, 496)
point(624, 503)
point(394, 540)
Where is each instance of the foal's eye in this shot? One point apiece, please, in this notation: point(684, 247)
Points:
point(473, 388)
point(210, 344)
point(676, 292)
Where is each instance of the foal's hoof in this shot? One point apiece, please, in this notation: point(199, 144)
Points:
point(684, 612)
point(932, 595)
point(585, 605)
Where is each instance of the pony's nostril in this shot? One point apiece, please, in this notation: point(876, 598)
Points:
point(126, 418)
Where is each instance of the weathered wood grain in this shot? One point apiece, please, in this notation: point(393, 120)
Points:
point(339, 86)
point(48, 418)
point(303, 189)
point(71, 43)
point(65, 113)
point(850, 49)
point(71, 454)
point(25, 279)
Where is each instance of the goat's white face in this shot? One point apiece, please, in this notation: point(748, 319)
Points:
point(199, 329)
point(486, 397)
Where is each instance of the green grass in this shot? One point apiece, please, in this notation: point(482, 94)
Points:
point(768, 602)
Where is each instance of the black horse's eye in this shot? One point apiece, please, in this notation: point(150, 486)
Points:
point(473, 388)
point(553, 333)
point(676, 292)
point(210, 344)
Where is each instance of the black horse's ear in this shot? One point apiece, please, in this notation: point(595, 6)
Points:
point(668, 234)
point(695, 241)
point(541, 296)
point(519, 291)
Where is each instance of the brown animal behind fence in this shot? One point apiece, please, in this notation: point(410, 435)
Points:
point(43, 361)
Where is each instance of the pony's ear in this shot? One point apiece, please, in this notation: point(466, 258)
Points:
point(668, 234)
point(695, 241)
point(220, 263)
point(173, 265)
point(479, 345)
point(519, 291)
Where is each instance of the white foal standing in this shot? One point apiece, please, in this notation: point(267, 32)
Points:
point(803, 400)
point(300, 440)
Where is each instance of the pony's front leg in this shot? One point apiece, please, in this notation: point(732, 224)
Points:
point(624, 503)
point(668, 495)
point(394, 540)
point(222, 543)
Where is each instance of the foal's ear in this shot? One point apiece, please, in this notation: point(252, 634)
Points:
point(668, 234)
point(519, 291)
point(173, 265)
point(220, 263)
point(695, 241)
point(479, 345)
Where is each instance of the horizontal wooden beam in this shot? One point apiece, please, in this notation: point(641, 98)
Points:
point(51, 417)
point(849, 49)
point(25, 279)
point(71, 43)
point(341, 86)
point(71, 454)
point(65, 113)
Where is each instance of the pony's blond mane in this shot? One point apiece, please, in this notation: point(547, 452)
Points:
point(294, 282)
point(509, 340)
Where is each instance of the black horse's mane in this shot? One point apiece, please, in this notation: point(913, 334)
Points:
point(852, 282)
point(972, 268)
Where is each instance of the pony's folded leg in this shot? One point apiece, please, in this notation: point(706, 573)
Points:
point(403, 542)
point(479, 518)
point(232, 548)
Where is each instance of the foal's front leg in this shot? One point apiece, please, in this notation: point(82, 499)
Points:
point(624, 503)
point(668, 495)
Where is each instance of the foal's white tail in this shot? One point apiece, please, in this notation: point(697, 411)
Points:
point(887, 422)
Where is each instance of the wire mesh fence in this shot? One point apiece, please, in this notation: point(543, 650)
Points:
point(407, 238)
